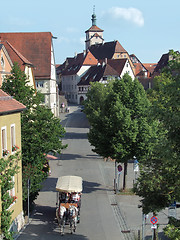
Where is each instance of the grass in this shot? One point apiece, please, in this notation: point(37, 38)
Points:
point(127, 191)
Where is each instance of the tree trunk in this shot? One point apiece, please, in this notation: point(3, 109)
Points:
point(125, 175)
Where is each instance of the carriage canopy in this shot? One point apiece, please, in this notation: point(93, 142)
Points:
point(69, 184)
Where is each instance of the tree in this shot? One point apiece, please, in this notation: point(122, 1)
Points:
point(122, 128)
point(95, 112)
point(172, 230)
point(159, 182)
point(41, 131)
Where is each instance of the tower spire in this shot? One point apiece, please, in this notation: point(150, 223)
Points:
point(93, 17)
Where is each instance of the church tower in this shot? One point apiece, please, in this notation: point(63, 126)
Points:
point(94, 34)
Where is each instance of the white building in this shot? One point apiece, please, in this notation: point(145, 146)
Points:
point(72, 74)
point(37, 47)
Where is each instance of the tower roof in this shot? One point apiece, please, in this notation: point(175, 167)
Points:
point(94, 28)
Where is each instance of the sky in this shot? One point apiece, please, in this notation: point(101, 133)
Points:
point(146, 28)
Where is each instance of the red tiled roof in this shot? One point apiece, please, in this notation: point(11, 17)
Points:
point(110, 71)
point(94, 28)
point(36, 47)
point(138, 68)
point(117, 64)
point(77, 62)
point(16, 56)
point(9, 105)
point(150, 67)
point(106, 50)
point(90, 59)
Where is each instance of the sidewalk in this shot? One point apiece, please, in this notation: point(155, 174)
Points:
point(131, 213)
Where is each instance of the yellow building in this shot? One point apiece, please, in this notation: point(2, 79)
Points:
point(10, 127)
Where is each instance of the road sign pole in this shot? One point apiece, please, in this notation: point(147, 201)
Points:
point(154, 220)
point(143, 225)
point(115, 182)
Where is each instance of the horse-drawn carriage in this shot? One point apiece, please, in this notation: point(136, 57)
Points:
point(69, 190)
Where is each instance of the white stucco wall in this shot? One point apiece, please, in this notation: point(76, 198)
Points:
point(29, 73)
point(127, 69)
point(69, 84)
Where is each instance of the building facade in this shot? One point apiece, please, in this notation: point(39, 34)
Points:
point(37, 47)
point(10, 127)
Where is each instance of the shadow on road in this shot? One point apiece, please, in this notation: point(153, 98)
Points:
point(89, 187)
point(49, 185)
point(67, 156)
point(44, 226)
point(72, 135)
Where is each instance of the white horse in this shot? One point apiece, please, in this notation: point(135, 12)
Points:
point(73, 213)
point(61, 215)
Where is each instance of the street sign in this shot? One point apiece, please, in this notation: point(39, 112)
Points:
point(136, 166)
point(172, 210)
point(154, 220)
point(119, 167)
point(154, 226)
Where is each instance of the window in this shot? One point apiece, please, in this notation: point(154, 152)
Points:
point(4, 140)
point(40, 84)
point(13, 143)
point(2, 62)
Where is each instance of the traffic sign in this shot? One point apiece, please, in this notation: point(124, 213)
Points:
point(154, 220)
point(154, 226)
point(136, 165)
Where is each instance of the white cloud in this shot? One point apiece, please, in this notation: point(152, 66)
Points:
point(130, 14)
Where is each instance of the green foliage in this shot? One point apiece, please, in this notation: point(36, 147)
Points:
point(41, 132)
point(8, 168)
point(159, 182)
point(120, 123)
point(172, 230)
point(165, 98)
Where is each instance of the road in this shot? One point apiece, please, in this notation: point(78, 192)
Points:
point(98, 218)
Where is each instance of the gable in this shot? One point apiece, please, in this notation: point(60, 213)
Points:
point(16, 56)
point(36, 47)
